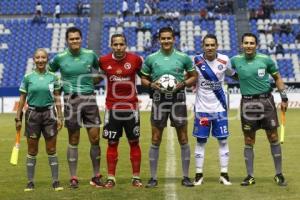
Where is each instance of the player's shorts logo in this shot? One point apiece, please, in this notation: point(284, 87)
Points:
point(127, 65)
point(261, 72)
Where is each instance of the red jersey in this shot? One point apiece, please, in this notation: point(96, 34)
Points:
point(121, 80)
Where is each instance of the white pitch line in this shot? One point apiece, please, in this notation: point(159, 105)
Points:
point(170, 171)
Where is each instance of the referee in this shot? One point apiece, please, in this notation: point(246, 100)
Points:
point(258, 110)
point(38, 88)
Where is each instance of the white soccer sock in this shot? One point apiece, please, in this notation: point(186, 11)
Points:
point(199, 156)
point(223, 155)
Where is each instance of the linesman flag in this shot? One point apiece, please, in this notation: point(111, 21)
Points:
point(15, 152)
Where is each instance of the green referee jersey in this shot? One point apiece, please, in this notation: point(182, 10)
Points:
point(175, 63)
point(254, 73)
point(76, 70)
point(39, 88)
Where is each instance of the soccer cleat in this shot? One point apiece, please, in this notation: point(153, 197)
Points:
point(186, 181)
point(152, 183)
point(137, 182)
point(224, 179)
point(198, 179)
point(29, 187)
point(73, 183)
point(97, 181)
point(110, 183)
point(249, 180)
point(280, 180)
point(56, 186)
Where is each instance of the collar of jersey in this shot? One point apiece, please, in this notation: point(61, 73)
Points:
point(45, 72)
point(167, 54)
point(246, 58)
point(113, 56)
point(69, 52)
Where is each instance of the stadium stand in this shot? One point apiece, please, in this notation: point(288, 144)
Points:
point(19, 37)
point(9, 7)
point(22, 37)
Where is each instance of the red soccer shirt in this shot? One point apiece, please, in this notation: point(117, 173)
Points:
point(121, 80)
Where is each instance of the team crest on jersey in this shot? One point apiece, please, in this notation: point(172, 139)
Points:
point(261, 72)
point(127, 65)
point(220, 67)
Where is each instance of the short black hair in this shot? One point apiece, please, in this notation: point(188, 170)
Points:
point(211, 36)
point(118, 35)
point(166, 29)
point(249, 35)
point(73, 29)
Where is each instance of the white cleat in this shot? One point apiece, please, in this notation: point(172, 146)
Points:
point(198, 179)
point(225, 180)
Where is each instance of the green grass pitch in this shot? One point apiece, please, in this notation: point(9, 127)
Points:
point(13, 178)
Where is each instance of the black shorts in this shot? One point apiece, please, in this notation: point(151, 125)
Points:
point(80, 109)
point(116, 120)
point(168, 105)
point(258, 113)
point(40, 122)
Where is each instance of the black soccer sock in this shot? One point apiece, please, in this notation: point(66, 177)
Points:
point(185, 159)
point(72, 156)
point(30, 164)
point(153, 159)
point(249, 157)
point(53, 162)
point(95, 155)
point(277, 156)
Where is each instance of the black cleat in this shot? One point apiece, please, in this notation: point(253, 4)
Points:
point(249, 180)
point(186, 181)
point(29, 187)
point(224, 179)
point(56, 186)
point(280, 180)
point(97, 181)
point(198, 179)
point(152, 183)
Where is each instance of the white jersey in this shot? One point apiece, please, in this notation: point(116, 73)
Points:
point(206, 100)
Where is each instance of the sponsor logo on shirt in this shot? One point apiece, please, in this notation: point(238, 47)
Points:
point(210, 85)
point(118, 79)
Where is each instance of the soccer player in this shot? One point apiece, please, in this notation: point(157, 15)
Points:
point(211, 106)
point(168, 60)
point(77, 66)
point(41, 90)
point(121, 111)
point(258, 110)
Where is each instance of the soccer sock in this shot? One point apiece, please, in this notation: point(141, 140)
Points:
point(199, 156)
point(135, 157)
point(53, 162)
point(223, 155)
point(277, 157)
point(249, 156)
point(95, 154)
point(112, 158)
point(72, 156)
point(185, 159)
point(30, 163)
point(153, 159)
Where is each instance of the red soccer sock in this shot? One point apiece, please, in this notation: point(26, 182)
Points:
point(112, 158)
point(135, 157)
